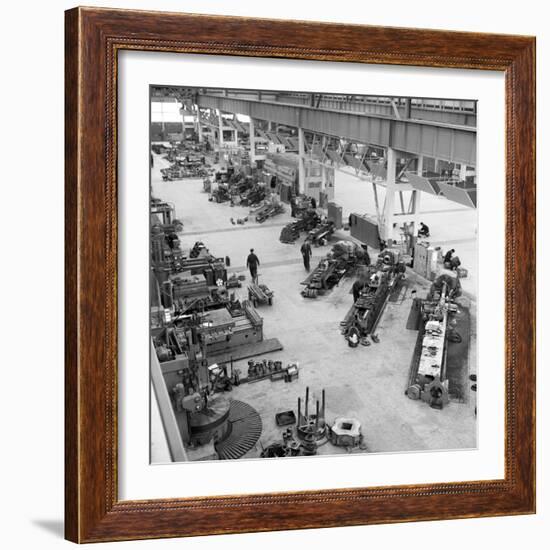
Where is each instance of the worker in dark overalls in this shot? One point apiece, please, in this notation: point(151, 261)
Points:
point(357, 287)
point(306, 253)
point(448, 258)
point(424, 230)
point(293, 206)
point(252, 262)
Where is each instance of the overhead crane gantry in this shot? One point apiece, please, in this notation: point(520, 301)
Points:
point(397, 133)
point(448, 142)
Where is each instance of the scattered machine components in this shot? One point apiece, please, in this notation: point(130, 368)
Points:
point(378, 281)
point(260, 294)
point(187, 160)
point(238, 221)
point(274, 370)
point(288, 447)
point(235, 187)
point(179, 171)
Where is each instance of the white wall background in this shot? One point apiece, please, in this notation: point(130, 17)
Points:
point(31, 401)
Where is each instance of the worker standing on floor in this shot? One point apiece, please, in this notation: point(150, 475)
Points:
point(252, 262)
point(293, 206)
point(306, 253)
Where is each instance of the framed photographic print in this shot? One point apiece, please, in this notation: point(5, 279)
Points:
point(300, 275)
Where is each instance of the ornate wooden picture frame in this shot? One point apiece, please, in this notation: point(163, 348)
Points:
point(94, 37)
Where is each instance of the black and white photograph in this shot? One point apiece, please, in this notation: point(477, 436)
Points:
point(313, 274)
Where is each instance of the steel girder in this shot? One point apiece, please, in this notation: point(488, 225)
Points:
point(433, 139)
point(328, 101)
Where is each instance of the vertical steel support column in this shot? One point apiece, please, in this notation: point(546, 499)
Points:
point(323, 166)
point(182, 113)
point(407, 108)
point(301, 161)
point(420, 165)
point(199, 125)
point(463, 172)
point(416, 196)
point(386, 230)
point(220, 126)
point(252, 141)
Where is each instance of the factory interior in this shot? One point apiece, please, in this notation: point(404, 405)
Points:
point(313, 274)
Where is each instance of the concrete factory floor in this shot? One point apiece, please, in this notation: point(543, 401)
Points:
point(366, 382)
